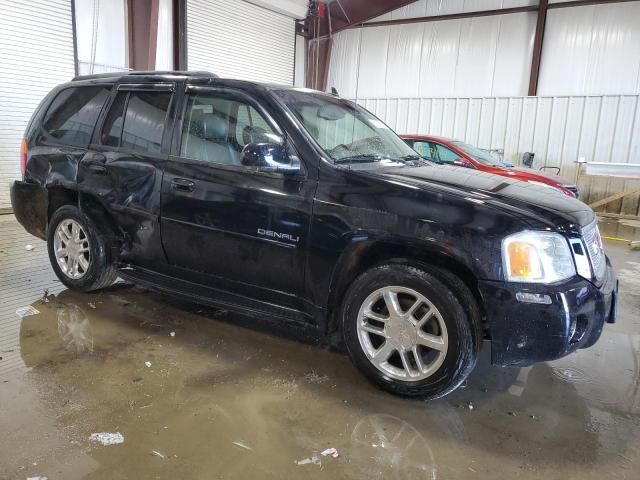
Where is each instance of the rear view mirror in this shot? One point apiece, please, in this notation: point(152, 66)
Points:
point(269, 157)
point(527, 159)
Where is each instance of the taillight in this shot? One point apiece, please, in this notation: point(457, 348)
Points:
point(23, 157)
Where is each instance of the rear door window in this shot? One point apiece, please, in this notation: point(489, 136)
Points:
point(72, 115)
point(144, 121)
point(112, 128)
point(136, 121)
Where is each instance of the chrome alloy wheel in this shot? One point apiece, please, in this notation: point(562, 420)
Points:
point(402, 333)
point(71, 247)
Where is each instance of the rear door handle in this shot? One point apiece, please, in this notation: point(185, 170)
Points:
point(183, 185)
point(94, 162)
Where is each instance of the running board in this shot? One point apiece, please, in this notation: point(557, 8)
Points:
point(214, 297)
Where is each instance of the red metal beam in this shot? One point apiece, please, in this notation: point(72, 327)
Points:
point(451, 16)
point(582, 3)
point(538, 40)
point(180, 34)
point(355, 12)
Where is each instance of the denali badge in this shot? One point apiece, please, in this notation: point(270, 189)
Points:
point(283, 236)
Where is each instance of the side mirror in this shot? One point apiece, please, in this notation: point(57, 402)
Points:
point(527, 159)
point(269, 157)
point(463, 162)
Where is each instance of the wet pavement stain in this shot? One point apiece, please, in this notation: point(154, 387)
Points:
point(232, 397)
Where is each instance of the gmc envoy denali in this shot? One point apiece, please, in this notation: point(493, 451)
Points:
point(294, 204)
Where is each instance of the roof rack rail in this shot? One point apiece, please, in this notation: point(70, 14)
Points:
point(125, 73)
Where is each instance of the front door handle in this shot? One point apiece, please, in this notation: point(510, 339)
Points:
point(183, 185)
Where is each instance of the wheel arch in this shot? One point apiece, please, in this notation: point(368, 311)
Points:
point(88, 204)
point(368, 253)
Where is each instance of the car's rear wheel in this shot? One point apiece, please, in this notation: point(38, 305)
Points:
point(78, 252)
point(412, 331)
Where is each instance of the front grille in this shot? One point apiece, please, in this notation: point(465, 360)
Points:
point(593, 242)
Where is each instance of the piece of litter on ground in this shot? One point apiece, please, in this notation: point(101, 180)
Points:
point(147, 364)
point(106, 438)
point(315, 460)
point(158, 454)
point(243, 445)
point(137, 380)
point(26, 311)
point(37, 478)
point(29, 248)
point(172, 334)
point(330, 452)
point(470, 405)
point(91, 305)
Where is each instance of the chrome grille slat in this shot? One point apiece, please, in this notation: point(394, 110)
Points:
point(593, 243)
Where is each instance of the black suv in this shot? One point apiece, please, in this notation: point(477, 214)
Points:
point(297, 205)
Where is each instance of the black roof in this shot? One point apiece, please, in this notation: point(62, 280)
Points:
point(118, 75)
point(199, 77)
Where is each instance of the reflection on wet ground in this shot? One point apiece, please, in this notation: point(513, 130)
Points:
point(199, 393)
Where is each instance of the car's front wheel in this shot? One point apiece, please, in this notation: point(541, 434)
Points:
point(412, 331)
point(79, 254)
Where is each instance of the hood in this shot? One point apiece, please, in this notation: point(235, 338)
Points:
point(537, 204)
point(539, 176)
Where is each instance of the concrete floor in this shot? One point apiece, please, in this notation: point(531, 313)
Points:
point(226, 397)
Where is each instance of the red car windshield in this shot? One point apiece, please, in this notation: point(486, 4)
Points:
point(479, 155)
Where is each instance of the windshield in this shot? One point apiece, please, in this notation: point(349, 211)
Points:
point(478, 154)
point(346, 132)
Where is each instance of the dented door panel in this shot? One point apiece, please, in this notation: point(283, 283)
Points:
point(129, 189)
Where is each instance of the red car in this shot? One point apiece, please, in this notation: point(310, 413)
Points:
point(455, 152)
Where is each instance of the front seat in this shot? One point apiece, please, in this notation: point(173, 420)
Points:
point(207, 140)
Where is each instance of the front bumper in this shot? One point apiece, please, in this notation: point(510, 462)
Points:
point(526, 333)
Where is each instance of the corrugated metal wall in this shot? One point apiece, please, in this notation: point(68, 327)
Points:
point(36, 54)
point(559, 130)
point(588, 50)
point(236, 39)
point(487, 56)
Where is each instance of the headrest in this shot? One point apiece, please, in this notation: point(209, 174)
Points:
point(254, 135)
point(208, 126)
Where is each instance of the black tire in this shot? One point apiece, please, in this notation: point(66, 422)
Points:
point(101, 272)
point(459, 311)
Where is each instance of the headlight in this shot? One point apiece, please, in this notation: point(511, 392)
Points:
point(537, 257)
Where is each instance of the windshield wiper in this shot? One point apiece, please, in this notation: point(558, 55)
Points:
point(411, 157)
point(361, 158)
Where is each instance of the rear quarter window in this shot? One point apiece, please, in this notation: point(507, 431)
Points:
point(72, 115)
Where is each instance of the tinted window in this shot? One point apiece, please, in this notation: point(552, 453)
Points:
point(112, 128)
point(73, 113)
point(216, 128)
point(248, 118)
point(136, 121)
point(144, 121)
